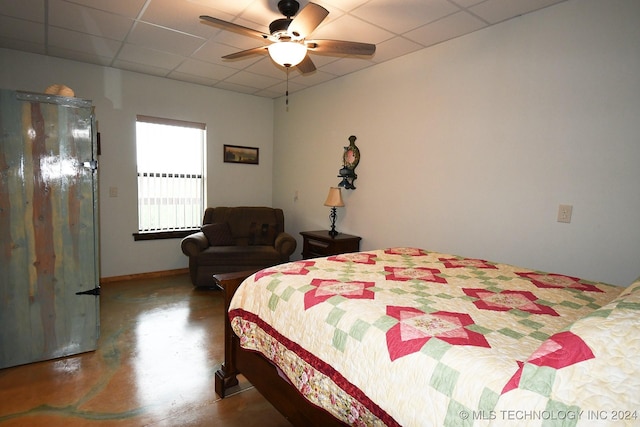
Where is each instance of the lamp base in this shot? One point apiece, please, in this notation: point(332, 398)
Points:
point(332, 217)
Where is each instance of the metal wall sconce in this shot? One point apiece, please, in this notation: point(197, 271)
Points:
point(350, 159)
point(348, 176)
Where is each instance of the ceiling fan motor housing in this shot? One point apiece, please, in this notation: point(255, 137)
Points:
point(288, 7)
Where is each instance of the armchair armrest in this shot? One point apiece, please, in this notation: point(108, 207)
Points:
point(194, 244)
point(285, 244)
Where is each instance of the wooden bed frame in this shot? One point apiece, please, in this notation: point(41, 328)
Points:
point(260, 372)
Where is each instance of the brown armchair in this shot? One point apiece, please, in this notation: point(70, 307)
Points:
point(237, 239)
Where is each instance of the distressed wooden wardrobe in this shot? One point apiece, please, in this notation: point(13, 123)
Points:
point(49, 265)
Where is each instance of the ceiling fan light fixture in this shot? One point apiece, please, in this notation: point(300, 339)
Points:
point(287, 54)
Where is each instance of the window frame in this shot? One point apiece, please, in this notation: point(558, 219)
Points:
point(177, 233)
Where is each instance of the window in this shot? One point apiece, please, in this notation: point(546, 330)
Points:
point(170, 162)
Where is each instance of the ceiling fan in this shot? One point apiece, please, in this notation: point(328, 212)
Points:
point(289, 45)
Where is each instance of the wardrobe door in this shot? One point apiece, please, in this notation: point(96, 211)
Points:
point(49, 279)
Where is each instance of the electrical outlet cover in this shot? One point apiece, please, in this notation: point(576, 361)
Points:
point(564, 213)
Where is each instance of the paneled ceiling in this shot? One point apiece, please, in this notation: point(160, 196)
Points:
point(166, 38)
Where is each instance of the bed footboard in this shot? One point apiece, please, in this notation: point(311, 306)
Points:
point(260, 372)
point(226, 376)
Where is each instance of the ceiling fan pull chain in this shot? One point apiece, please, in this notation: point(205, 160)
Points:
point(287, 91)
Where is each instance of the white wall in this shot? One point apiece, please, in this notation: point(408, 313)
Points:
point(469, 147)
point(231, 118)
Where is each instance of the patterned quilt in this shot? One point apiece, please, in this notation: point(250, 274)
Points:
point(408, 337)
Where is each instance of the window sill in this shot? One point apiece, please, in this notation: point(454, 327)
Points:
point(160, 235)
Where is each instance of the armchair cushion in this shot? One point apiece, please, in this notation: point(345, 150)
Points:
point(262, 234)
point(218, 234)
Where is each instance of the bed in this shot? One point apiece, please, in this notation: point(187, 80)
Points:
point(410, 337)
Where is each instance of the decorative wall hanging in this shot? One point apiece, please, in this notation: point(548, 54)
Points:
point(240, 154)
point(350, 159)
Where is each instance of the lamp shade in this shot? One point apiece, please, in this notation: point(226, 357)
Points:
point(287, 54)
point(334, 198)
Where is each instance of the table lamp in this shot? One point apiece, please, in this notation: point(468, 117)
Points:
point(334, 200)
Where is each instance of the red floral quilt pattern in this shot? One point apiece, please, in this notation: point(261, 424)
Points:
point(410, 273)
point(299, 268)
point(466, 262)
point(508, 300)
point(561, 350)
point(357, 257)
point(415, 328)
point(550, 280)
point(406, 251)
point(325, 289)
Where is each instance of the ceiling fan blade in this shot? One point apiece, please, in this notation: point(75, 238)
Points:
point(248, 52)
point(340, 47)
point(306, 66)
point(235, 27)
point(307, 20)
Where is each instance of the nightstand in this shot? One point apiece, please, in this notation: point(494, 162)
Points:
point(320, 243)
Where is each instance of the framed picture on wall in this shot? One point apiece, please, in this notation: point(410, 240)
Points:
point(241, 154)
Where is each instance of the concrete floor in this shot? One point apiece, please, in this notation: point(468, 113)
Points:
point(160, 345)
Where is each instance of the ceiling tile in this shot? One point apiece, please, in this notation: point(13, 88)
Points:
point(235, 87)
point(20, 29)
point(262, 13)
point(353, 29)
point(346, 5)
point(313, 79)
point(447, 28)
point(31, 10)
point(205, 69)
point(466, 3)
point(22, 45)
point(75, 41)
point(231, 7)
point(185, 18)
point(281, 88)
point(400, 16)
point(252, 80)
point(393, 48)
point(86, 20)
point(127, 8)
point(141, 68)
point(269, 93)
point(164, 39)
point(154, 58)
point(75, 55)
point(263, 27)
point(346, 65)
point(186, 77)
point(494, 11)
